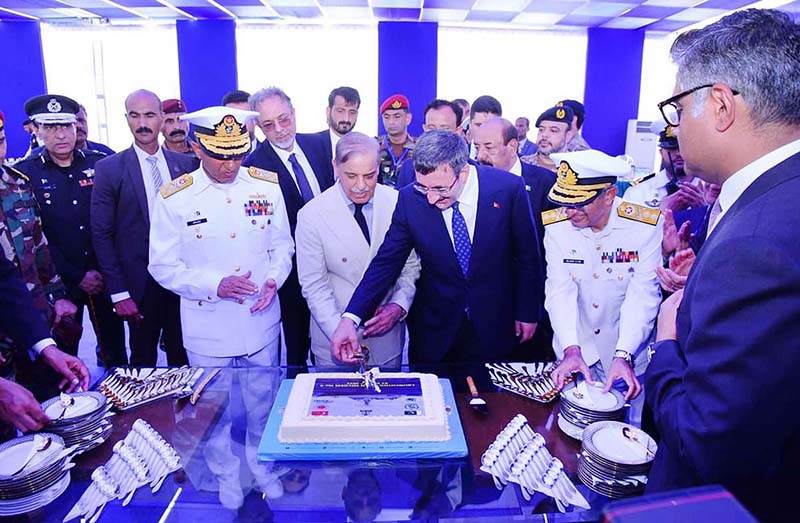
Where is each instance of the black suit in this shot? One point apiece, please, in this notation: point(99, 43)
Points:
point(121, 233)
point(324, 138)
point(21, 320)
point(295, 315)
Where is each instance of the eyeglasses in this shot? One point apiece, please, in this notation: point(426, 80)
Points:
point(283, 121)
point(441, 191)
point(670, 110)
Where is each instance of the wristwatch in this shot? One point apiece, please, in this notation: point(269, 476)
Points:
point(625, 355)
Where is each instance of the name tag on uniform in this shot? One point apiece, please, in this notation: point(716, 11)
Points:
point(197, 222)
point(85, 183)
point(573, 260)
point(259, 208)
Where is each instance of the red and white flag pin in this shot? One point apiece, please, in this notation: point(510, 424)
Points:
point(496, 205)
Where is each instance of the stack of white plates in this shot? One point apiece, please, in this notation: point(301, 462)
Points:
point(585, 404)
point(615, 459)
point(83, 423)
point(44, 476)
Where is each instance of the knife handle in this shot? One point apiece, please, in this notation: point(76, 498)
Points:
point(199, 390)
point(471, 385)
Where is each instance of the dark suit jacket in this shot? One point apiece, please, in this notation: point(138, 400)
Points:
point(725, 394)
point(265, 157)
point(504, 277)
point(528, 148)
point(121, 218)
point(538, 182)
point(21, 320)
point(324, 138)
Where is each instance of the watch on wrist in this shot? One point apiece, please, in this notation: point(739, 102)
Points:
point(625, 355)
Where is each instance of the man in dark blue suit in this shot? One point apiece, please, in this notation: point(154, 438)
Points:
point(723, 380)
point(341, 115)
point(303, 173)
point(479, 293)
point(525, 147)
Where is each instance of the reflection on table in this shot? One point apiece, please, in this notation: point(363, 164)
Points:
point(222, 480)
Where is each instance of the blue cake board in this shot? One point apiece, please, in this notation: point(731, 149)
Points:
point(270, 449)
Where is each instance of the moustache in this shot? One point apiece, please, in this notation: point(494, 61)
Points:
point(359, 192)
point(144, 130)
point(177, 132)
point(486, 162)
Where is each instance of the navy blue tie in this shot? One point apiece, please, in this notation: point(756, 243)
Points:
point(361, 220)
point(461, 239)
point(302, 181)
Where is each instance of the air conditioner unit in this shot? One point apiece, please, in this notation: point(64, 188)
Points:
point(641, 144)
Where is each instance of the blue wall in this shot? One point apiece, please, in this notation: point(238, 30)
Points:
point(23, 77)
point(611, 92)
point(407, 64)
point(206, 61)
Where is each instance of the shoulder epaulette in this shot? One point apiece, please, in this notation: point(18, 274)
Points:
point(17, 173)
point(556, 215)
point(641, 179)
point(178, 184)
point(638, 213)
point(261, 174)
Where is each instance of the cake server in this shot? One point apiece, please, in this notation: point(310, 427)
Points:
point(476, 402)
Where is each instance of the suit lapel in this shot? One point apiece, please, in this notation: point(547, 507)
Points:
point(285, 180)
point(339, 220)
point(436, 231)
point(485, 220)
point(174, 166)
point(311, 152)
point(134, 172)
point(382, 210)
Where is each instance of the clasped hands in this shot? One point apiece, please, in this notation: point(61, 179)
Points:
point(241, 287)
point(620, 369)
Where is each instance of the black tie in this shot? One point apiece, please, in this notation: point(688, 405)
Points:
point(358, 213)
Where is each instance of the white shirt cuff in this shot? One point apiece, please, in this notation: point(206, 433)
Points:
point(119, 296)
point(350, 316)
point(39, 346)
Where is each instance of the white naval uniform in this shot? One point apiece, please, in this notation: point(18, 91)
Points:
point(598, 305)
point(201, 233)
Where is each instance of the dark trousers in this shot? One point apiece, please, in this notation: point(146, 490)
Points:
point(108, 327)
point(296, 320)
point(538, 348)
point(162, 321)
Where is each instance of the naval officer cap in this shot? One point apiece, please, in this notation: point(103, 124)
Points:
point(559, 113)
point(221, 131)
point(583, 175)
point(52, 109)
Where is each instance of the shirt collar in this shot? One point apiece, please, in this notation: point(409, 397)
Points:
point(348, 201)
point(284, 155)
point(734, 186)
point(143, 155)
point(516, 168)
point(469, 196)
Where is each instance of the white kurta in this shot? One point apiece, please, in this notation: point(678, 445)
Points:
point(207, 231)
point(602, 292)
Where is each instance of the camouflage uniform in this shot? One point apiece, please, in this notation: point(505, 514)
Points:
point(389, 164)
point(576, 144)
point(539, 160)
point(24, 244)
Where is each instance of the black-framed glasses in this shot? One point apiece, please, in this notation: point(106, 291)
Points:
point(441, 191)
point(670, 110)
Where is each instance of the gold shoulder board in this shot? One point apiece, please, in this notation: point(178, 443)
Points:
point(261, 174)
point(178, 184)
point(638, 213)
point(641, 179)
point(554, 215)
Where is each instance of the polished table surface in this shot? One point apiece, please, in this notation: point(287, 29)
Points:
point(213, 435)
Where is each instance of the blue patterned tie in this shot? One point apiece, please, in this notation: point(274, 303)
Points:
point(461, 239)
point(302, 181)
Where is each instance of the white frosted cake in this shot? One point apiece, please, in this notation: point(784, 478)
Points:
point(337, 407)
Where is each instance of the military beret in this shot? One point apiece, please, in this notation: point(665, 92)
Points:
point(577, 109)
point(394, 102)
point(52, 109)
point(556, 114)
point(173, 105)
point(221, 131)
point(583, 175)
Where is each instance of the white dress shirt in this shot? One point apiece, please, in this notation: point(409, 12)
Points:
point(734, 186)
point(284, 155)
point(516, 168)
point(467, 205)
point(334, 140)
point(163, 169)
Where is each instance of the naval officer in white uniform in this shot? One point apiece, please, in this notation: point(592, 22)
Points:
point(601, 291)
point(220, 240)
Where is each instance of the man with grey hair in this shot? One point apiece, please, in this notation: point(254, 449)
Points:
point(337, 235)
point(722, 382)
point(479, 295)
point(300, 163)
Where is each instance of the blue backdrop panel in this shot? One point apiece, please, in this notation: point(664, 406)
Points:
point(24, 77)
point(206, 61)
point(611, 92)
point(407, 60)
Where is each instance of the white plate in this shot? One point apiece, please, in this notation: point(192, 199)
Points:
point(573, 431)
point(14, 452)
point(36, 501)
point(596, 400)
point(83, 404)
point(607, 439)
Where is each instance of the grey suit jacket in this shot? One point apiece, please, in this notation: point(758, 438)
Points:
point(121, 218)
